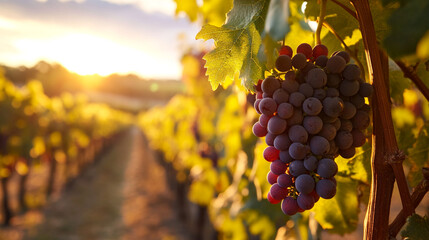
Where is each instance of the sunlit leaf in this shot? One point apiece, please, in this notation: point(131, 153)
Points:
point(417, 228)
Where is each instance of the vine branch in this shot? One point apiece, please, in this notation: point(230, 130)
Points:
point(418, 193)
point(320, 21)
point(411, 74)
point(347, 9)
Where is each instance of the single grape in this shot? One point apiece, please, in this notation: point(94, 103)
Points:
point(351, 72)
point(271, 154)
point(313, 124)
point(276, 125)
point(286, 50)
point(334, 80)
point(280, 96)
point(306, 89)
point(304, 183)
point(361, 120)
point(319, 93)
point(256, 106)
point(270, 85)
point(283, 63)
point(290, 76)
point(326, 188)
point(310, 163)
point(335, 64)
point(297, 133)
point(284, 180)
point(272, 178)
point(320, 50)
point(305, 201)
point(296, 118)
point(290, 206)
point(299, 61)
point(298, 151)
point(285, 157)
point(359, 138)
point(328, 131)
point(290, 86)
point(349, 88)
point(347, 153)
point(282, 142)
point(349, 110)
point(263, 120)
point(308, 66)
point(317, 78)
point(305, 49)
point(285, 110)
point(319, 145)
point(346, 125)
point(278, 167)
point(259, 130)
point(345, 55)
point(267, 106)
point(271, 199)
point(332, 92)
point(315, 195)
point(327, 168)
point(321, 61)
point(344, 139)
point(337, 124)
point(312, 106)
point(358, 101)
point(327, 119)
point(297, 168)
point(365, 89)
point(269, 139)
point(278, 192)
point(296, 99)
point(333, 106)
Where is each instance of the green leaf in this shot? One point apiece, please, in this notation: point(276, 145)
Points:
point(236, 45)
point(339, 214)
point(189, 7)
point(408, 25)
point(417, 228)
point(276, 24)
point(418, 156)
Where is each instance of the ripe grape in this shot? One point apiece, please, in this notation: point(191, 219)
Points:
point(282, 142)
point(310, 163)
point(346, 125)
point(263, 120)
point(326, 188)
point(334, 80)
point(283, 63)
point(327, 119)
point(286, 50)
point(361, 120)
point(344, 139)
point(269, 139)
point(332, 106)
point(319, 93)
point(321, 61)
point(296, 118)
point(317, 78)
point(305, 49)
point(365, 89)
point(351, 72)
point(306, 89)
point(312, 106)
point(328, 131)
point(319, 145)
point(345, 55)
point(290, 75)
point(259, 95)
point(308, 66)
point(276, 125)
point(297, 133)
point(299, 61)
point(347, 153)
point(358, 101)
point(272, 178)
point(280, 96)
point(304, 183)
point(349, 110)
point(258, 86)
point(285, 110)
point(271, 154)
point(305, 201)
point(313, 124)
point(284, 180)
point(298, 151)
point(290, 206)
point(270, 85)
point(290, 86)
point(332, 92)
point(297, 168)
point(320, 50)
point(285, 157)
point(271, 199)
point(267, 106)
point(256, 105)
point(358, 138)
point(259, 130)
point(278, 192)
point(296, 99)
point(327, 168)
point(337, 123)
point(278, 167)
point(349, 88)
point(335, 64)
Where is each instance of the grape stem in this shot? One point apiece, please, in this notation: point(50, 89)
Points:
point(321, 19)
point(347, 9)
point(418, 193)
point(411, 74)
point(352, 53)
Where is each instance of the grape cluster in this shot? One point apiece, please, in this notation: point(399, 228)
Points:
point(312, 109)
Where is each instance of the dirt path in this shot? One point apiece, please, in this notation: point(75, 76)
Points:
point(123, 196)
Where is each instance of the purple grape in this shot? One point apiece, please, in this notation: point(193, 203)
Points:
point(285, 157)
point(306, 89)
point(312, 106)
point(297, 168)
point(263, 120)
point(259, 130)
point(349, 110)
point(359, 138)
point(272, 178)
point(333, 106)
point(344, 139)
point(357, 100)
point(290, 206)
point(304, 183)
point(305, 201)
point(284, 180)
point(285, 110)
point(319, 145)
point(351, 72)
point(296, 99)
point(310, 163)
point(365, 90)
point(328, 131)
point(334, 80)
point(267, 106)
point(326, 188)
point(256, 106)
point(346, 125)
point(296, 118)
point(299, 61)
point(349, 88)
point(313, 124)
point(319, 93)
point(276, 125)
point(337, 124)
point(297, 133)
point(317, 78)
point(327, 168)
point(283, 63)
point(282, 142)
point(280, 96)
point(347, 153)
point(278, 192)
point(335, 64)
point(278, 167)
point(332, 92)
point(270, 85)
point(361, 120)
point(298, 150)
point(269, 139)
point(321, 61)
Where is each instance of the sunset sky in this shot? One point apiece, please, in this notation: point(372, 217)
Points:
point(96, 36)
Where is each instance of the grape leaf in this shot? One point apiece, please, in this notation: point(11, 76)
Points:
point(276, 24)
point(214, 11)
point(408, 25)
point(190, 7)
point(417, 228)
point(418, 156)
point(236, 45)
